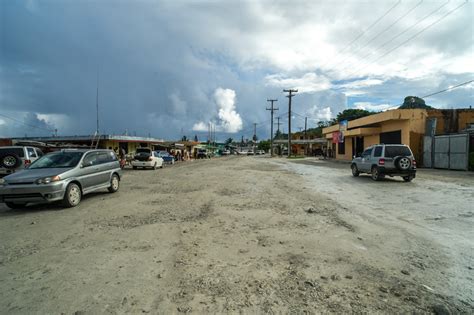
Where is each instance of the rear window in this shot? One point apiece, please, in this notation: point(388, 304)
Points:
point(143, 150)
point(17, 151)
point(393, 151)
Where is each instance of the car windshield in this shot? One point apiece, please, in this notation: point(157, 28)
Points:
point(393, 151)
point(58, 160)
point(163, 153)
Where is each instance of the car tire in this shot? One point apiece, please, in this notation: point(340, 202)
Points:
point(134, 167)
point(408, 178)
point(154, 166)
point(72, 196)
point(402, 163)
point(10, 161)
point(375, 173)
point(12, 205)
point(114, 184)
point(355, 171)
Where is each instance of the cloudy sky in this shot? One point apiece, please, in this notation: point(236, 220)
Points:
point(168, 68)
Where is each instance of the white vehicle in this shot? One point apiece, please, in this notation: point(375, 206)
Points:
point(146, 158)
point(15, 158)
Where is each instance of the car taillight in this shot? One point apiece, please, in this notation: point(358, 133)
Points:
point(27, 162)
point(414, 163)
point(381, 161)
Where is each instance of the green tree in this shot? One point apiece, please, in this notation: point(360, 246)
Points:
point(196, 138)
point(264, 145)
point(228, 141)
point(414, 102)
point(352, 113)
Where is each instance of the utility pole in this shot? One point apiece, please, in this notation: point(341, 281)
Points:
point(278, 124)
point(305, 129)
point(290, 95)
point(272, 109)
point(254, 136)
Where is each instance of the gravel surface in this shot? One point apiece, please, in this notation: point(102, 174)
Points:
point(249, 234)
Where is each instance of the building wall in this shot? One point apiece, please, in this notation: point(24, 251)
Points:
point(371, 140)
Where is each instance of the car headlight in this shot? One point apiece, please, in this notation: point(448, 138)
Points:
point(47, 180)
point(2, 182)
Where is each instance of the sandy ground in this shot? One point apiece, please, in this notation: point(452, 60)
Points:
point(246, 234)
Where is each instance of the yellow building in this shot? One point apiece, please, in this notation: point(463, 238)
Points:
point(398, 126)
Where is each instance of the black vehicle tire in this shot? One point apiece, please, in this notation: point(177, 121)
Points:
point(72, 196)
point(114, 183)
point(376, 174)
point(355, 171)
point(408, 178)
point(10, 161)
point(402, 163)
point(134, 167)
point(12, 205)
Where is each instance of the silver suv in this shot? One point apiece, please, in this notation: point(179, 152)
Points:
point(64, 175)
point(15, 158)
point(386, 159)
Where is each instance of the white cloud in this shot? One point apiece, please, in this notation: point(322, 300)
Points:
point(228, 118)
point(310, 82)
point(321, 114)
point(374, 107)
point(200, 126)
point(358, 84)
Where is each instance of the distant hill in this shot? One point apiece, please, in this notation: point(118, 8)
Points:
point(414, 102)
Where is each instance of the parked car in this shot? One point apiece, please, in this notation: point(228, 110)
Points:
point(386, 159)
point(15, 158)
point(260, 152)
point(225, 152)
point(147, 158)
point(167, 158)
point(250, 152)
point(64, 175)
point(203, 154)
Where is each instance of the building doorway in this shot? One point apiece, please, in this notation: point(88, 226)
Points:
point(392, 137)
point(357, 146)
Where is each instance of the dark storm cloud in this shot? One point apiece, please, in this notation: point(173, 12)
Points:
point(160, 63)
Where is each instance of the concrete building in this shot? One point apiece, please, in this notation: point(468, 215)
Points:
point(399, 126)
point(129, 143)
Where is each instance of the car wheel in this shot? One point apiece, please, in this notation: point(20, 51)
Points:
point(10, 161)
point(355, 171)
point(73, 195)
point(376, 174)
point(114, 183)
point(408, 178)
point(154, 166)
point(12, 205)
point(134, 167)
point(403, 163)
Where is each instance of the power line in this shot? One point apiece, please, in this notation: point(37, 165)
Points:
point(380, 33)
point(26, 124)
point(365, 31)
point(448, 89)
point(413, 36)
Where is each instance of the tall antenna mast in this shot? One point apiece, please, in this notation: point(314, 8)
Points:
point(97, 101)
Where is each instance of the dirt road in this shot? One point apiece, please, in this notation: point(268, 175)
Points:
point(245, 234)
